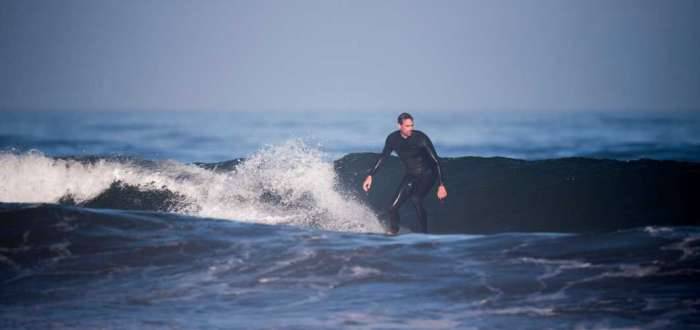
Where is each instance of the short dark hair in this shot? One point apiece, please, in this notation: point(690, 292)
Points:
point(404, 115)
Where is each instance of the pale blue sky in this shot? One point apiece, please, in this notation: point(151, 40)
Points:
point(350, 55)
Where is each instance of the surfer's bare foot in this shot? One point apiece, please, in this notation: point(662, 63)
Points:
point(389, 229)
point(392, 231)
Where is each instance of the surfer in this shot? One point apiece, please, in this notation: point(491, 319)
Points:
point(421, 165)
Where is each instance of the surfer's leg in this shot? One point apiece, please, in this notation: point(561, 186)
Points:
point(422, 187)
point(420, 213)
point(402, 193)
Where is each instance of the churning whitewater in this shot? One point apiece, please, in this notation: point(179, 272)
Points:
point(287, 183)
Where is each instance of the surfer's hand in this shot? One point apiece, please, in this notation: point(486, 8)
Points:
point(368, 183)
point(442, 192)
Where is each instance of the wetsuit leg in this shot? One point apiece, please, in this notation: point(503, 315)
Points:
point(423, 185)
point(403, 192)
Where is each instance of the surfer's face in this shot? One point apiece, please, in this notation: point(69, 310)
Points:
point(406, 127)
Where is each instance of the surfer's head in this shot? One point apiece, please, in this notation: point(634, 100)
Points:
point(405, 121)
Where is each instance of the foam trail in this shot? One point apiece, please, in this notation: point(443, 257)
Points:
point(286, 183)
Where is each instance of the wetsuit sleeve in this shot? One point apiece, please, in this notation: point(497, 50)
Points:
point(433, 155)
point(380, 161)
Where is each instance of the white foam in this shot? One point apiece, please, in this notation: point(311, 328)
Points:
point(686, 246)
point(657, 230)
point(544, 311)
point(305, 183)
point(359, 271)
point(34, 178)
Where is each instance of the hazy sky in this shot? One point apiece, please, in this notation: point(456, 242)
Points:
point(355, 55)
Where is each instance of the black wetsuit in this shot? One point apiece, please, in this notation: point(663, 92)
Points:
point(422, 167)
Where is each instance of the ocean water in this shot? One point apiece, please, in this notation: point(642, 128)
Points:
point(182, 220)
point(217, 136)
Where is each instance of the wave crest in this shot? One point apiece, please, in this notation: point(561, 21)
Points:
point(286, 183)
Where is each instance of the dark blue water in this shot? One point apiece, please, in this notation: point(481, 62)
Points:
point(71, 267)
point(273, 241)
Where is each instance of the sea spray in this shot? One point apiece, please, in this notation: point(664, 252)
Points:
point(286, 183)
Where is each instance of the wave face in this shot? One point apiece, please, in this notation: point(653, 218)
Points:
point(76, 267)
point(288, 183)
point(574, 194)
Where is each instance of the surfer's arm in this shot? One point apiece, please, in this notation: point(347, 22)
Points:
point(380, 160)
point(433, 155)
